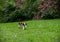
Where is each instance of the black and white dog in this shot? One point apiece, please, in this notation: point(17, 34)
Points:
point(22, 25)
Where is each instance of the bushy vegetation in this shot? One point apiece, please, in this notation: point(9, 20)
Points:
point(28, 9)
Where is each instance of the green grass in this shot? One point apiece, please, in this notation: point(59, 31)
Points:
point(37, 31)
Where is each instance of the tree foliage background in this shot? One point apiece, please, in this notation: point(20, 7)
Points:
point(18, 10)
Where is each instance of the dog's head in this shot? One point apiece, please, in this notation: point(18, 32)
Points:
point(23, 24)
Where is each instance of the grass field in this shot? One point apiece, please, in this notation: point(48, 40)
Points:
point(37, 31)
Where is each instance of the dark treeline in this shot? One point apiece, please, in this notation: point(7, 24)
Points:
point(18, 10)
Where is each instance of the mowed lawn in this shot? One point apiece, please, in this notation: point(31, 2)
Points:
point(37, 31)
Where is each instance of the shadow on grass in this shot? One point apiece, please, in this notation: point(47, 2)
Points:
point(59, 38)
point(2, 40)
